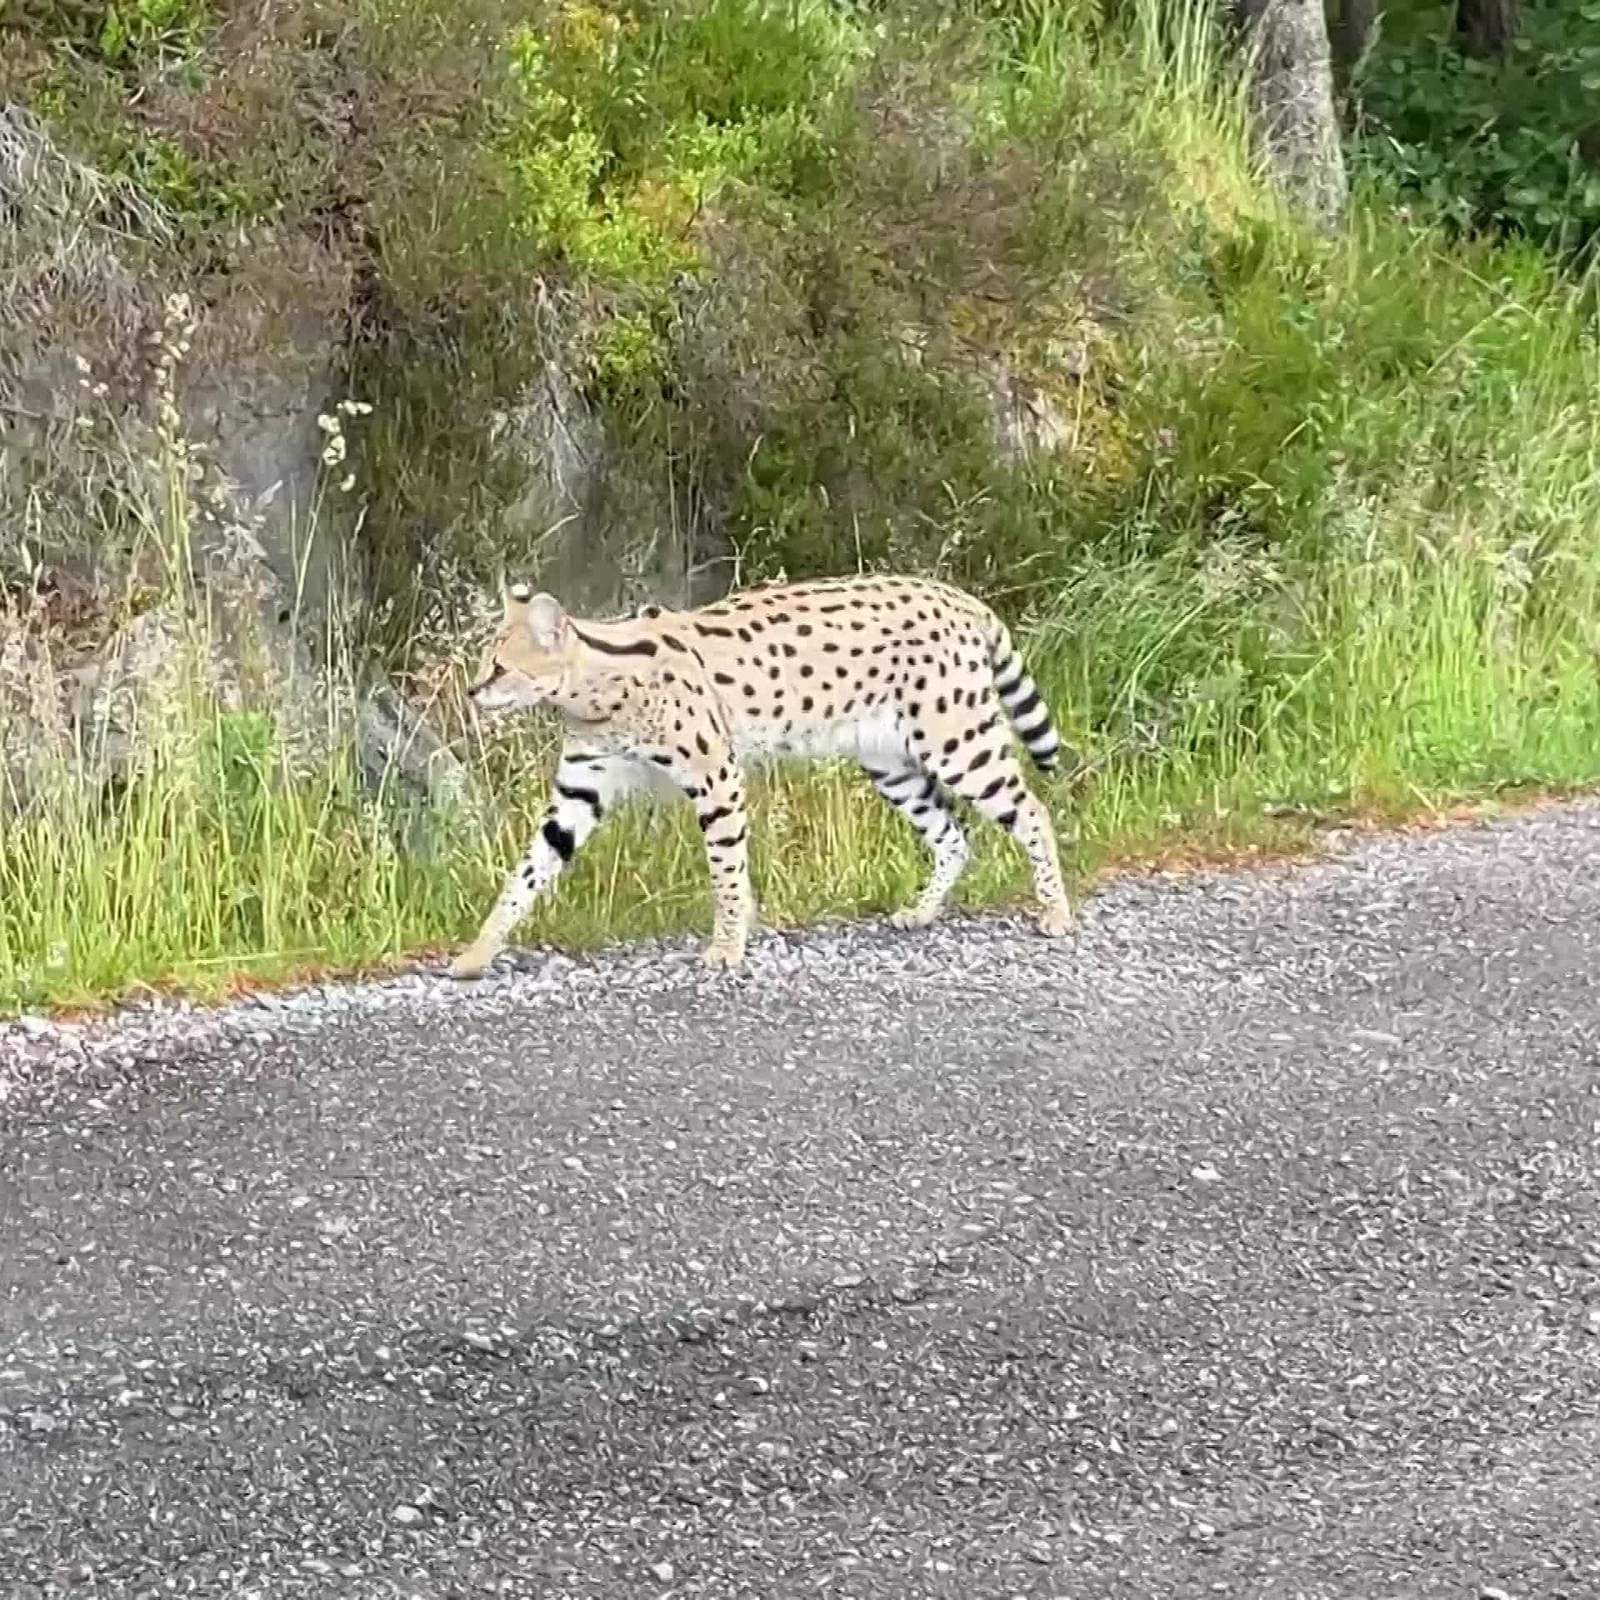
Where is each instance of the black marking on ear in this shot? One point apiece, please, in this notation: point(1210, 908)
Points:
point(643, 647)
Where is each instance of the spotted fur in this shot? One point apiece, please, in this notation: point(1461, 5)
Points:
point(912, 679)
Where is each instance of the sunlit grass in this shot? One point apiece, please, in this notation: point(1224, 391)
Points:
point(1417, 695)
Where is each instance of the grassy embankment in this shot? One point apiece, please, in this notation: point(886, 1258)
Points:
point(1323, 536)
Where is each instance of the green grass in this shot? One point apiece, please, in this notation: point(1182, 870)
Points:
point(1417, 681)
point(1326, 540)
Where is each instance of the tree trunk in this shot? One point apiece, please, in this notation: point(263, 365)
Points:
point(1358, 23)
point(1293, 94)
point(1488, 27)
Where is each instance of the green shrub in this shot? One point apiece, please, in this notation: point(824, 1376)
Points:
point(1506, 145)
point(121, 33)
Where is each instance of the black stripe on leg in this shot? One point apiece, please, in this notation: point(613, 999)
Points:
point(580, 796)
point(559, 838)
point(709, 819)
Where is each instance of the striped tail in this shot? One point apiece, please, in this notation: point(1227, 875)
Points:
point(1023, 703)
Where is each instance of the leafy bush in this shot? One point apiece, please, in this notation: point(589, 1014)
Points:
point(122, 33)
point(1508, 145)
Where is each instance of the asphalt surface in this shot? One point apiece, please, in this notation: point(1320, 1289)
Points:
point(1245, 1243)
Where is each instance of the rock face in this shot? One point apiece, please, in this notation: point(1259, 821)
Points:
point(1025, 422)
point(265, 366)
point(191, 456)
point(607, 537)
point(152, 437)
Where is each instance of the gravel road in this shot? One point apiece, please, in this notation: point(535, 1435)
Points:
point(1246, 1243)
